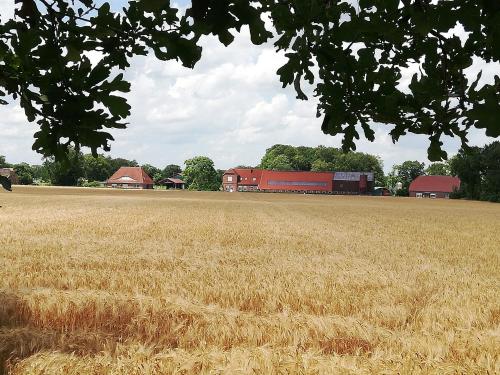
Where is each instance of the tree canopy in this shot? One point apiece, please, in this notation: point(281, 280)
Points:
point(321, 158)
point(200, 174)
point(354, 53)
point(438, 169)
point(404, 174)
point(479, 171)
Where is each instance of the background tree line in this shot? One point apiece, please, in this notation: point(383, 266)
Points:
point(321, 158)
point(477, 167)
point(81, 169)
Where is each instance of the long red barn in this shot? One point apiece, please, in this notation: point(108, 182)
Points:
point(253, 179)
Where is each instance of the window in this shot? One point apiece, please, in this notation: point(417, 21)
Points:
point(297, 183)
point(254, 179)
point(229, 178)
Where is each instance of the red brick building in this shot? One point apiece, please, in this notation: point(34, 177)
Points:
point(130, 178)
point(241, 179)
point(296, 181)
point(251, 179)
point(433, 186)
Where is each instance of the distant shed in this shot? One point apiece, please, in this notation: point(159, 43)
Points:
point(433, 186)
point(172, 183)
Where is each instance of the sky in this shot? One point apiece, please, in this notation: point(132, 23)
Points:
point(231, 107)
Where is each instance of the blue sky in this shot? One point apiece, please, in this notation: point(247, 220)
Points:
point(230, 107)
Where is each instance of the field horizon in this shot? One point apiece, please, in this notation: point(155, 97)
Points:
point(105, 281)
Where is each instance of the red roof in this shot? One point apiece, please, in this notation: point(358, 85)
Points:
point(247, 175)
point(130, 175)
point(444, 184)
point(296, 180)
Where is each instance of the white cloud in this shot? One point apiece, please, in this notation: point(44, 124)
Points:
point(6, 9)
point(231, 107)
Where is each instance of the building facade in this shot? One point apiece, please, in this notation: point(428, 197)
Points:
point(241, 179)
point(251, 179)
point(130, 178)
point(433, 186)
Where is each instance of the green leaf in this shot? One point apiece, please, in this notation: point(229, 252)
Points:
point(225, 37)
point(154, 5)
point(98, 74)
point(117, 105)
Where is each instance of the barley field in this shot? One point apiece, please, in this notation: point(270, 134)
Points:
point(94, 281)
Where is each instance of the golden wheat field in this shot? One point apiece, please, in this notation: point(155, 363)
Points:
point(94, 281)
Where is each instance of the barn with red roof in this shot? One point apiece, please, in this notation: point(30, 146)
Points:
point(296, 181)
point(130, 178)
point(252, 179)
point(241, 179)
point(433, 186)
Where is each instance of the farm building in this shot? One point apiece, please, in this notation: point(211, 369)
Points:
point(433, 186)
point(249, 179)
point(353, 182)
point(172, 183)
point(11, 174)
point(130, 178)
point(241, 179)
point(312, 182)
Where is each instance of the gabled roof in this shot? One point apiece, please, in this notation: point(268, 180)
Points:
point(130, 175)
point(444, 184)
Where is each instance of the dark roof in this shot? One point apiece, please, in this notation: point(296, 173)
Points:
point(130, 175)
point(444, 184)
point(172, 180)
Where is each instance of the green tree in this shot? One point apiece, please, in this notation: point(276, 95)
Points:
point(438, 169)
point(284, 153)
point(406, 173)
point(490, 158)
point(200, 174)
point(467, 166)
point(25, 173)
point(393, 181)
point(97, 168)
point(66, 172)
point(3, 163)
point(171, 170)
point(153, 172)
point(280, 163)
point(322, 166)
point(359, 49)
point(40, 173)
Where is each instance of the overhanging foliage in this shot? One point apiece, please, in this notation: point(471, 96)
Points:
point(360, 49)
